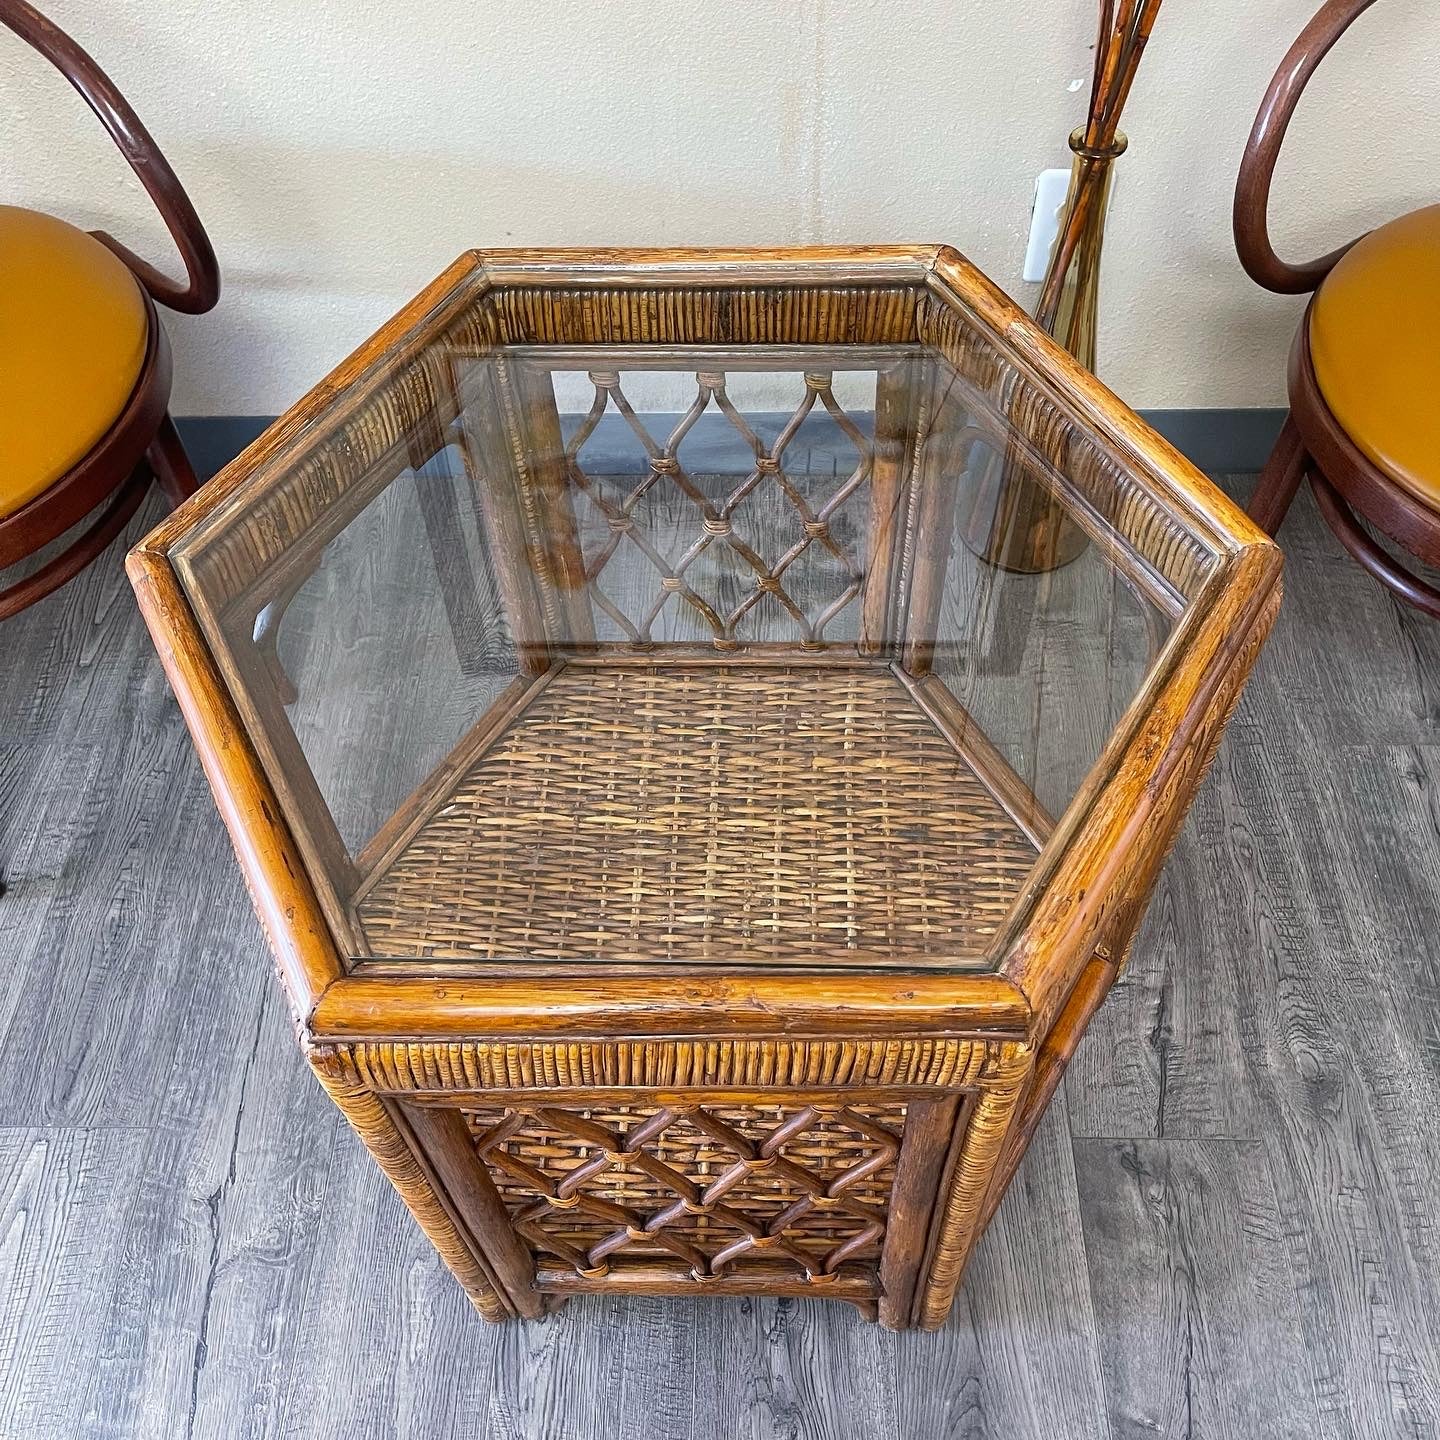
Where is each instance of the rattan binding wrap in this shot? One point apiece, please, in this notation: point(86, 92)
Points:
point(942, 1063)
point(710, 814)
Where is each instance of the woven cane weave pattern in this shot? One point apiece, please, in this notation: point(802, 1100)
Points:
point(709, 814)
point(709, 1185)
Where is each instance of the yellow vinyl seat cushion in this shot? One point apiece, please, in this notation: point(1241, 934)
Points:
point(1375, 345)
point(73, 331)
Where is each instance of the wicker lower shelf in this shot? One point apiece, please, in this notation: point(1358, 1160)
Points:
point(752, 814)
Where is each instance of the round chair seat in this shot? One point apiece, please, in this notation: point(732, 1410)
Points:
point(1375, 345)
point(73, 334)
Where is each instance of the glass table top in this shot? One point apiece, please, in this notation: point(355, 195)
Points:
point(645, 654)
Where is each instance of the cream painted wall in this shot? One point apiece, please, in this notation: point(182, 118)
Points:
point(343, 151)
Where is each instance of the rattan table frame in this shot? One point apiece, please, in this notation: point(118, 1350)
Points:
point(618, 1128)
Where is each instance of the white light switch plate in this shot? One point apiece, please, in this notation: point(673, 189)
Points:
point(1050, 191)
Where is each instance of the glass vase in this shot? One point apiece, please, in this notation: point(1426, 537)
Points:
point(1015, 523)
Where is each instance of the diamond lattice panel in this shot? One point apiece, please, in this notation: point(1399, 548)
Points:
point(707, 1185)
point(713, 565)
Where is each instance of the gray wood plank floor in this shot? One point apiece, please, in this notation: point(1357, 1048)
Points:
point(1226, 1226)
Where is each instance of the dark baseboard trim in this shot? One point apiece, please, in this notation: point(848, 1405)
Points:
point(1220, 442)
point(213, 441)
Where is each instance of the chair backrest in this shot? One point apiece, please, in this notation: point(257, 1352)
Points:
point(1257, 169)
point(202, 283)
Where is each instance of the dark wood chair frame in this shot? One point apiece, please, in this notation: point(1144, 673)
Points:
point(142, 445)
point(1347, 484)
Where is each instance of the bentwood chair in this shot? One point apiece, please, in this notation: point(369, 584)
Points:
point(84, 363)
point(1364, 421)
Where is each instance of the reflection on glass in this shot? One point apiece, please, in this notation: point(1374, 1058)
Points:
point(651, 655)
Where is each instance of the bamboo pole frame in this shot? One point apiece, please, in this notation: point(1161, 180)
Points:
point(512, 1101)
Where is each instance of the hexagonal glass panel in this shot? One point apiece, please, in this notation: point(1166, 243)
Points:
point(689, 619)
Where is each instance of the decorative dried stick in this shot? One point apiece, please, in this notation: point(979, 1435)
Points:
point(1028, 530)
point(1119, 45)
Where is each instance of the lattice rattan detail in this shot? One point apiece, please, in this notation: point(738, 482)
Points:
point(709, 1185)
point(678, 574)
point(714, 814)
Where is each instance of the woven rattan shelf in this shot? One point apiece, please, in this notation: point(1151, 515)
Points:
point(779, 815)
point(645, 781)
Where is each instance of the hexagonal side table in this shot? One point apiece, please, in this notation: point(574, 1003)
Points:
point(690, 866)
